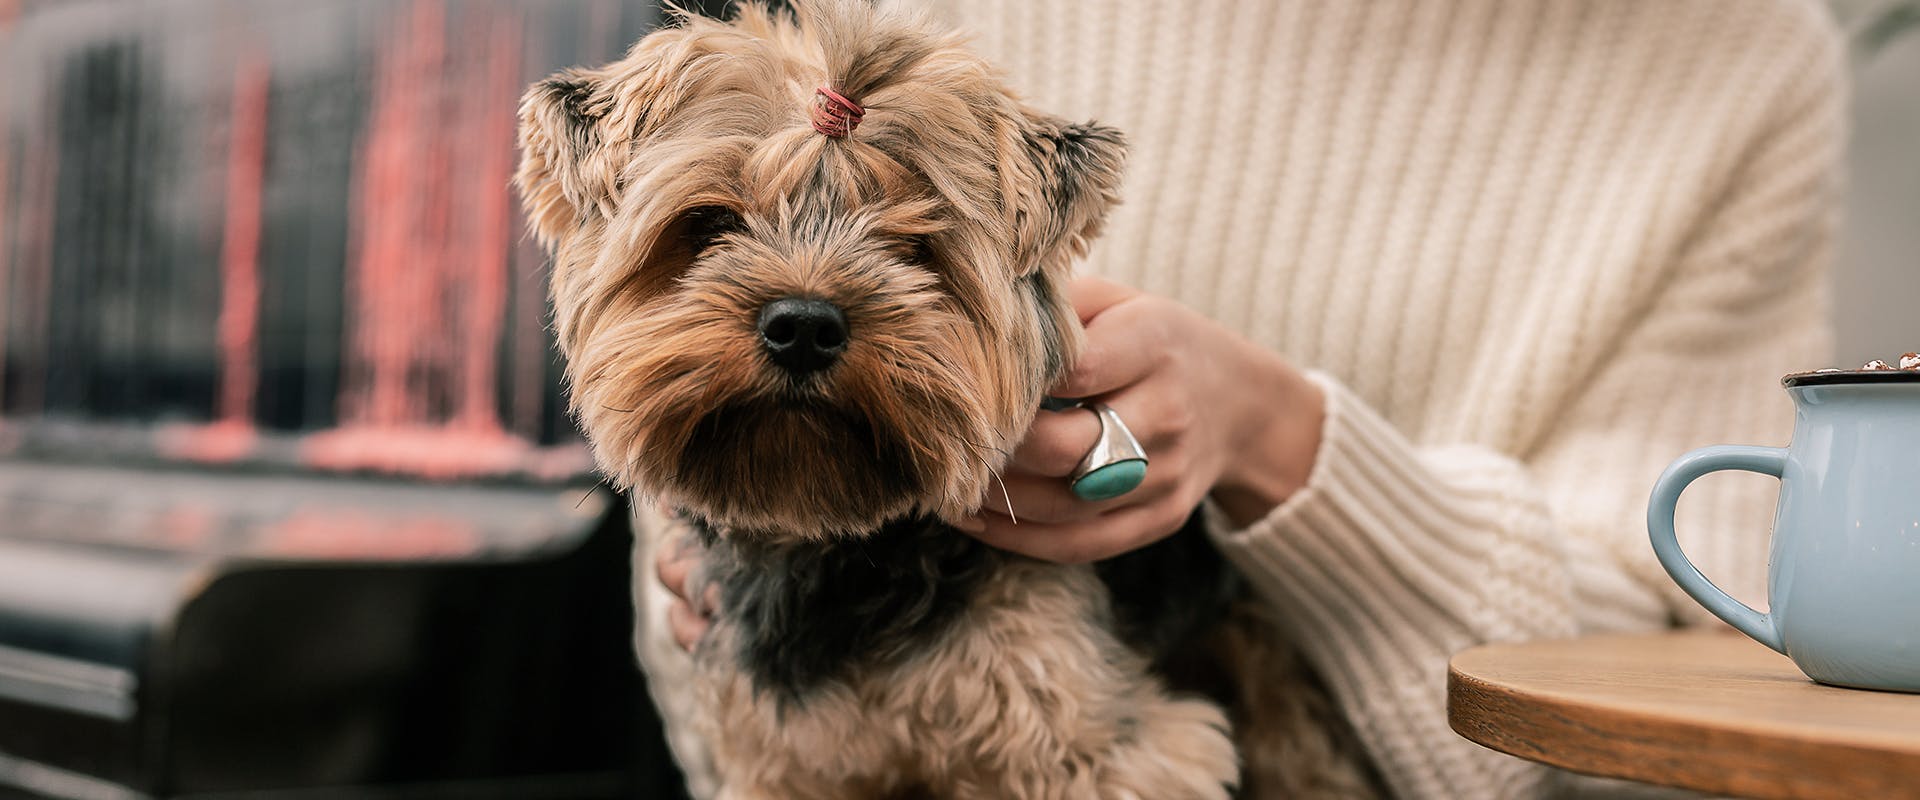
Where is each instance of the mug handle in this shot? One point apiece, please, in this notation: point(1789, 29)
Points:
point(1666, 494)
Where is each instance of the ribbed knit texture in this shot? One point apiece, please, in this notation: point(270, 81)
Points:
point(1532, 251)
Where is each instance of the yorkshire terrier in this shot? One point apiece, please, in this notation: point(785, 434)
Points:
point(808, 278)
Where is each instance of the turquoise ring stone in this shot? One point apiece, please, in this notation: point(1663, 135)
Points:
point(1115, 465)
point(1111, 481)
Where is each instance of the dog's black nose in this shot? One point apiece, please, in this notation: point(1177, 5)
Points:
point(803, 336)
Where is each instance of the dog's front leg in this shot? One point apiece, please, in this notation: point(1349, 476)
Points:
point(1034, 697)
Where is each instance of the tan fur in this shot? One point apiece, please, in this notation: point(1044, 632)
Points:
point(1029, 701)
point(1292, 739)
point(711, 115)
point(681, 189)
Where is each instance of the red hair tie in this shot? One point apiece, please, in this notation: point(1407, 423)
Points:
point(835, 115)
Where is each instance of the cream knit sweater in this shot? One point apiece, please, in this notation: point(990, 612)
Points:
point(1531, 250)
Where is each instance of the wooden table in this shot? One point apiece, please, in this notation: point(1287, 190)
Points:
point(1710, 711)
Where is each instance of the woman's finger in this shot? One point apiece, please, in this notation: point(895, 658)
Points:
point(1091, 295)
point(1125, 344)
point(687, 626)
point(1088, 540)
point(673, 566)
point(1056, 441)
point(1046, 499)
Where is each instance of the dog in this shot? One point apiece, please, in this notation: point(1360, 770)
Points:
point(808, 279)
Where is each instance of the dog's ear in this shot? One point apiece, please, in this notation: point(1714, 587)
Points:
point(1075, 181)
point(563, 173)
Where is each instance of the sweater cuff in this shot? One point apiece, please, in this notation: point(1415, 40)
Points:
point(1377, 546)
point(1391, 559)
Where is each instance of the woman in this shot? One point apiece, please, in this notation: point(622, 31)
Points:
point(1427, 294)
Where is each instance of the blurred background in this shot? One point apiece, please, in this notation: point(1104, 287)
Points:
point(289, 503)
point(1880, 261)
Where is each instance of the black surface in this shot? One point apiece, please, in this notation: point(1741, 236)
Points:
point(485, 677)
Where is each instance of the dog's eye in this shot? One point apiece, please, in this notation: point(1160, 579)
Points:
point(706, 224)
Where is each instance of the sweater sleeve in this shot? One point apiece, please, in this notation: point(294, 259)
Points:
point(1397, 555)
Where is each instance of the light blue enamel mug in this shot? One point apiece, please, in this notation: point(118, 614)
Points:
point(1843, 580)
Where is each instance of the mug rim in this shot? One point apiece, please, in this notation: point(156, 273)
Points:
point(1850, 376)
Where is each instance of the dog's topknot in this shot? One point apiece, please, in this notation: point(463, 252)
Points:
point(869, 45)
point(835, 116)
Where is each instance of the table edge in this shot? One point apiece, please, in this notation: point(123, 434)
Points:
point(1677, 752)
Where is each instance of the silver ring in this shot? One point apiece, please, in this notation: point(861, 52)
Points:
point(1115, 465)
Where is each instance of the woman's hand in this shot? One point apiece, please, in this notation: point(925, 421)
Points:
point(675, 563)
point(1217, 415)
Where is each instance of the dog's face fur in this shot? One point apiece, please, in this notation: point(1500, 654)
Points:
point(683, 189)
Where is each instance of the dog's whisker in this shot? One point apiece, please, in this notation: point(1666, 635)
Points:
point(996, 450)
point(1004, 494)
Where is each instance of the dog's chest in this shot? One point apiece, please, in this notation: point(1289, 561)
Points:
point(800, 614)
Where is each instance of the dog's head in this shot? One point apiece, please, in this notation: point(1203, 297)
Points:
point(783, 322)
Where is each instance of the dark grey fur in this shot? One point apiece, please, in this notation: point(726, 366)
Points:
point(1167, 594)
point(801, 614)
point(1053, 340)
point(804, 613)
point(571, 93)
point(1077, 150)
